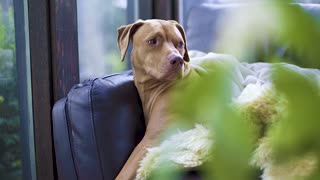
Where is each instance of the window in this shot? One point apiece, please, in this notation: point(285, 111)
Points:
point(223, 26)
point(98, 21)
point(16, 129)
point(308, 1)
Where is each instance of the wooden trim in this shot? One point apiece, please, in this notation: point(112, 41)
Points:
point(65, 55)
point(176, 10)
point(40, 61)
point(166, 9)
point(162, 9)
point(145, 9)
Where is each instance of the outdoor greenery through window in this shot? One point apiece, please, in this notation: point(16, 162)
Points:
point(98, 21)
point(10, 150)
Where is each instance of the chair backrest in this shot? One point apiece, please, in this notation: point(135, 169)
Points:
point(96, 127)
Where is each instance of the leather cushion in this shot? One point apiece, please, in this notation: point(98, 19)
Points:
point(105, 122)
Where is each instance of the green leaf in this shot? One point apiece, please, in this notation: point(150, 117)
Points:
point(297, 133)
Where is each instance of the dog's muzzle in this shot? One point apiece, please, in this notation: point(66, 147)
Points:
point(175, 60)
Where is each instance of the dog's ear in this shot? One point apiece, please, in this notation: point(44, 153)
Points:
point(180, 28)
point(125, 34)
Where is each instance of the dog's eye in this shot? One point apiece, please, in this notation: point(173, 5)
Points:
point(181, 45)
point(153, 41)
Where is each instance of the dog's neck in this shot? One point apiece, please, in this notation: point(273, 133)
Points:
point(151, 90)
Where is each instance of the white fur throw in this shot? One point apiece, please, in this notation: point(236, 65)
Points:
point(252, 94)
point(185, 149)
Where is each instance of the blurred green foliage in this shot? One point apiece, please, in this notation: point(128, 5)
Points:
point(10, 150)
point(102, 32)
point(113, 18)
point(113, 64)
point(208, 98)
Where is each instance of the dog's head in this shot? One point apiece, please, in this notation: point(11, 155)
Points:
point(159, 47)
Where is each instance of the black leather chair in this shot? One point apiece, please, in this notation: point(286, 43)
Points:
point(96, 127)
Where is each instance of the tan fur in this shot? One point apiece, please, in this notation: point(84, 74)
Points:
point(154, 77)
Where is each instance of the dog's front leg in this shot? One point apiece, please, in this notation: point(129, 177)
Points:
point(150, 139)
point(157, 123)
point(128, 172)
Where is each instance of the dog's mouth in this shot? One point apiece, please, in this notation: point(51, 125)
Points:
point(174, 72)
point(167, 72)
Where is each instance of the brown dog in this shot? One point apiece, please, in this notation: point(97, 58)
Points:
point(159, 59)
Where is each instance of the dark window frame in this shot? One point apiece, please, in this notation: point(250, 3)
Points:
point(41, 80)
point(54, 69)
point(64, 41)
point(40, 67)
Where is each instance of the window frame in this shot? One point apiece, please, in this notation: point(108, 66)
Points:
point(52, 30)
point(41, 83)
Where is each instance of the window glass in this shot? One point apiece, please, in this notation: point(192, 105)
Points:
point(237, 1)
point(308, 1)
point(225, 26)
point(10, 151)
point(15, 115)
point(98, 21)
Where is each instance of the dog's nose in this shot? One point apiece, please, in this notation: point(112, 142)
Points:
point(175, 59)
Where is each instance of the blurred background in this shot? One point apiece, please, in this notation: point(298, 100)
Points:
point(10, 139)
point(36, 70)
point(97, 25)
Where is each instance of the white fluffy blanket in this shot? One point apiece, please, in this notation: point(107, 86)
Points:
point(191, 148)
point(184, 149)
